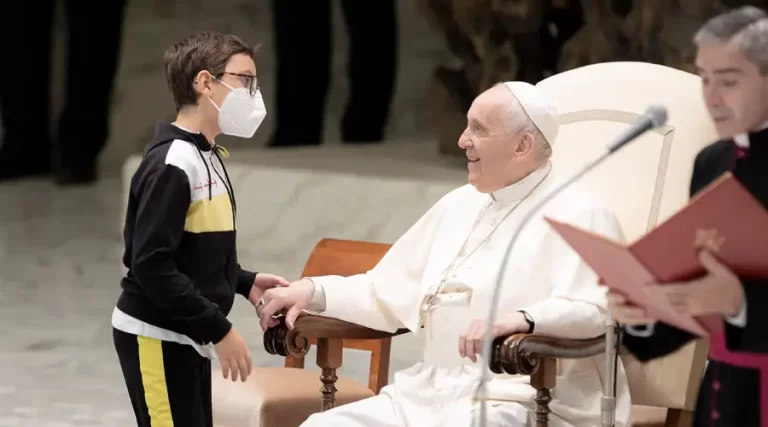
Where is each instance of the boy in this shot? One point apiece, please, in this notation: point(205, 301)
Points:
point(180, 250)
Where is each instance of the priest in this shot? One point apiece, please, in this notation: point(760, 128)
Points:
point(732, 59)
point(437, 280)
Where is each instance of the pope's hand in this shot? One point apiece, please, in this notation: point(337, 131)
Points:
point(471, 343)
point(625, 312)
point(263, 282)
point(293, 298)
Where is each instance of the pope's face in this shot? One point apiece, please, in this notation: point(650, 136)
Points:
point(495, 153)
point(735, 92)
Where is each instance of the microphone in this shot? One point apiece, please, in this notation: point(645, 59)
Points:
point(654, 116)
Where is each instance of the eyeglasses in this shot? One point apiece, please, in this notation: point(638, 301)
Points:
point(249, 82)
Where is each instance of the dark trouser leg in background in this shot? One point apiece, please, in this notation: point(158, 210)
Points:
point(372, 26)
point(95, 36)
point(303, 48)
point(25, 100)
point(168, 383)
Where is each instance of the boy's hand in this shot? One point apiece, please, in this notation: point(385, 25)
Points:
point(234, 356)
point(263, 282)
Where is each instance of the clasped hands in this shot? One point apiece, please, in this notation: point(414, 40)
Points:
point(719, 291)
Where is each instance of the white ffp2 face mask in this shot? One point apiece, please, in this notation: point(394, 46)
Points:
point(240, 114)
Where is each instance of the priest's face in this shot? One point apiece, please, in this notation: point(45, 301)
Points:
point(735, 91)
point(497, 155)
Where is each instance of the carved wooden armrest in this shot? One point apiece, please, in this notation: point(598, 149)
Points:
point(280, 341)
point(329, 334)
point(536, 355)
point(523, 353)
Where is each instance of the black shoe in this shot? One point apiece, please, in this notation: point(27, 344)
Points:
point(281, 140)
point(285, 144)
point(20, 160)
point(364, 140)
point(13, 166)
point(10, 170)
point(71, 176)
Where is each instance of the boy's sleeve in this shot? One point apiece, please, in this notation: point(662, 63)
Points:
point(245, 280)
point(163, 200)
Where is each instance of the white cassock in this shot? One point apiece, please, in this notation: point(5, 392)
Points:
point(455, 251)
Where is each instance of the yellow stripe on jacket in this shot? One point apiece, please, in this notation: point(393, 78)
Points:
point(206, 216)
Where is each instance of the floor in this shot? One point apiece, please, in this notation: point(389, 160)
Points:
point(59, 265)
point(59, 272)
point(60, 249)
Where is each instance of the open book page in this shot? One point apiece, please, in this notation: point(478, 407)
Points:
point(622, 272)
point(724, 218)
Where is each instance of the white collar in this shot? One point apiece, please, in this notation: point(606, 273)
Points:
point(522, 188)
point(742, 140)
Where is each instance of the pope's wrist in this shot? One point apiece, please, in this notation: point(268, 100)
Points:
point(310, 284)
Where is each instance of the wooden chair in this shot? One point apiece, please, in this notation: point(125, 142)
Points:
point(645, 183)
point(285, 397)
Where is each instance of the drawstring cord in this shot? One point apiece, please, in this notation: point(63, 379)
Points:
point(227, 182)
point(220, 151)
point(207, 169)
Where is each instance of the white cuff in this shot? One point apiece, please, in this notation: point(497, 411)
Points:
point(317, 303)
point(739, 320)
point(640, 331)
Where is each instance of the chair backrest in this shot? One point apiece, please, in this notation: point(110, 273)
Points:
point(645, 182)
point(347, 258)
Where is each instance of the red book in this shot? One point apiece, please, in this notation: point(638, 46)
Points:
point(724, 218)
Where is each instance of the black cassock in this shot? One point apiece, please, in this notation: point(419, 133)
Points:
point(729, 395)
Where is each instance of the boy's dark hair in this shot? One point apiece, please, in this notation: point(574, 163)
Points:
point(208, 51)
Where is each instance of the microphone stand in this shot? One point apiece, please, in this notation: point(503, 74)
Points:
point(655, 116)
point(608, 401)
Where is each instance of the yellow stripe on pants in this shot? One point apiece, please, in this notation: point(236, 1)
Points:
point(153, 378)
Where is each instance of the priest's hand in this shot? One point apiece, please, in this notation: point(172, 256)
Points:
point(471, 342)
point(719, 292)
point(293, 298)
point(625, 312)
point(263, 282)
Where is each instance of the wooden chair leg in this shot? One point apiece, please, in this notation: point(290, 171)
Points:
point(378, 375)
point(543, 380)
point(294, 362)
point(329, 354)
point(678, 418)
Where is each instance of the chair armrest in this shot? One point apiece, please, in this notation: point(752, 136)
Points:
point(522, 353)
point(279, 340)
point(536, 355)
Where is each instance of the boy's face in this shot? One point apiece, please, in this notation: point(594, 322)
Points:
point(240, 72)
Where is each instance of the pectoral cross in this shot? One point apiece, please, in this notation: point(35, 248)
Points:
point(709, 239)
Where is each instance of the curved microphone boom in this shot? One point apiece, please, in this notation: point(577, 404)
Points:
point(655, 116)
